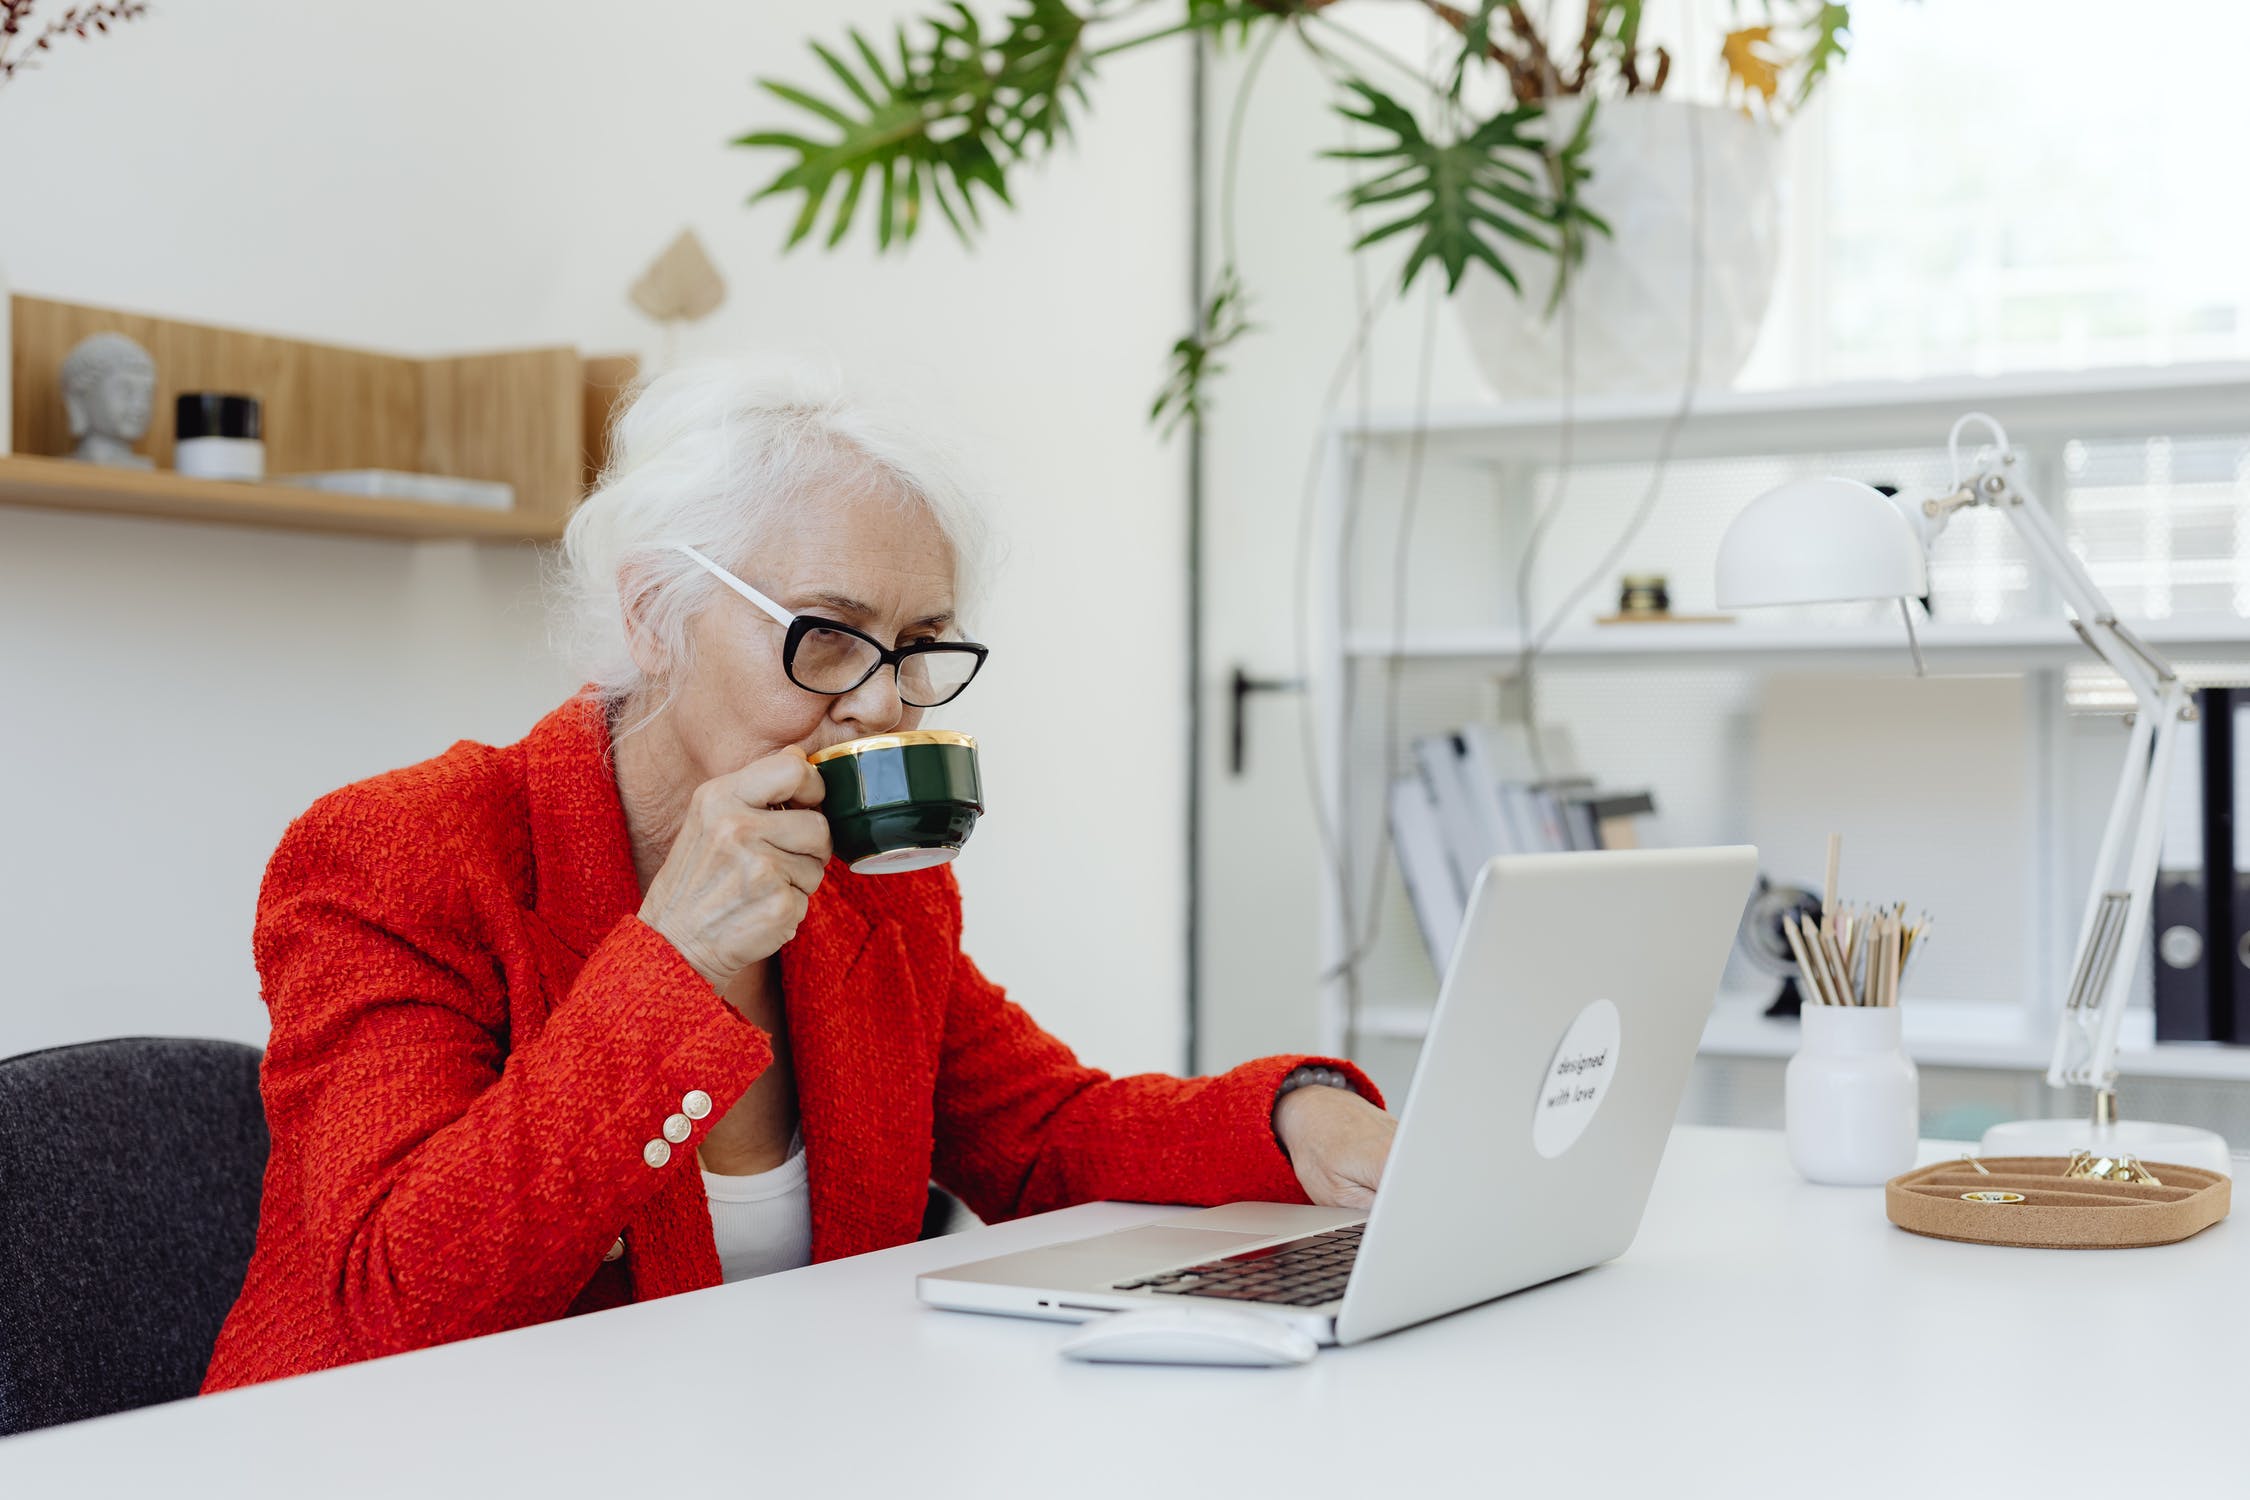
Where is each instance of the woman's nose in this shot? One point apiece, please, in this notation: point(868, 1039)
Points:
point(874, 706)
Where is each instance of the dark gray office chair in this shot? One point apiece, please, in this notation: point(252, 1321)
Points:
point(945, 1214)
point(129, 1181)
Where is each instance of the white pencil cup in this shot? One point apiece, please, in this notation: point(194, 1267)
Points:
point(1852, 1099)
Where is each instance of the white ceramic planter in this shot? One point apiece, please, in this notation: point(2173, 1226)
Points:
point(1851, 1101)
point(1629, 300)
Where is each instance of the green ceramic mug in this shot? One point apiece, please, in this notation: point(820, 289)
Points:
point(900, 801)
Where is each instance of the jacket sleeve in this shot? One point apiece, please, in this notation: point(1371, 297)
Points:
point(1021, 1126)
point(453, 1185)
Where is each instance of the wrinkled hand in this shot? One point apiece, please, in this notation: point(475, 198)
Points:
point(742, 870)
point(1337, 1141)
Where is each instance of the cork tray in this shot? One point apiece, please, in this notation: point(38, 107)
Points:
point(2057, 1212)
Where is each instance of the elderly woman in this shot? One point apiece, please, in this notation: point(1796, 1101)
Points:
point(593, 1018)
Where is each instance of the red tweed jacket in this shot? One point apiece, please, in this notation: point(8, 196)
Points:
point(474, 1040)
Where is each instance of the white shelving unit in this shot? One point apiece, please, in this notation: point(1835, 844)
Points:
point(1949, 1034)
point(1482, 475)
point(2011, 644)
point(2033, 407)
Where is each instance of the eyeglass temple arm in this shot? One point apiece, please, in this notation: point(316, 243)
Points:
point(732, 582)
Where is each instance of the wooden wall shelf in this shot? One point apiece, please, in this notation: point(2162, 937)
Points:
point(535, 419)
point(61, 484)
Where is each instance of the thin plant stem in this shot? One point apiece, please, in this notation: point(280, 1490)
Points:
point(1196, 23)
point(1230, 171)
point(1371, 47)
point(1145, 38)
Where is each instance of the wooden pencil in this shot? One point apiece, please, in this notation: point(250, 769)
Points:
point(1828, 912)
point(1916, 936)
point(1855, 952)
point(1829, 994)
point(1824, 951)
point(1805, 972)
point(1805, 943)
point(1836, 965)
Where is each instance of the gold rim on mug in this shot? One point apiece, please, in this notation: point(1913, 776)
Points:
point(892, 741)
point(900, 802)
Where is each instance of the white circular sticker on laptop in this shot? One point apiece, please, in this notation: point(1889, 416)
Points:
point(1577, 1079)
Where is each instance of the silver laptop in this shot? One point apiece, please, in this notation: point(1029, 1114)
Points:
point(1531, 1133)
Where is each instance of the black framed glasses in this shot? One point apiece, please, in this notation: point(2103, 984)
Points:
point(831, 658)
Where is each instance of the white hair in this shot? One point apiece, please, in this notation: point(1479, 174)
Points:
point(719, 454)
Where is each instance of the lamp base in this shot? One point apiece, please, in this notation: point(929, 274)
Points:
point(2151, 1142)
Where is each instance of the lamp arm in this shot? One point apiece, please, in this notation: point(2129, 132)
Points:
point(2144, 670)
point(2117, 910)
point(2116, 920)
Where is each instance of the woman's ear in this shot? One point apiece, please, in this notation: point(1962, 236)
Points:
point(636, 587)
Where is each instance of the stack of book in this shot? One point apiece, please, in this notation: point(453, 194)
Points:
point(1474, 793)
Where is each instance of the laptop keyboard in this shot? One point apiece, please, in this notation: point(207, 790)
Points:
point(1295, 1273)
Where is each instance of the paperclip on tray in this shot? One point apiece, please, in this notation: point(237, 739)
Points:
point(2027, 1201)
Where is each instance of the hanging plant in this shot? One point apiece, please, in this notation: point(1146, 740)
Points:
point(22, 46)
point(942, 112)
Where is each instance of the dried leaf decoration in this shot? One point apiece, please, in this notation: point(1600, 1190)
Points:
point(1751, 61)
point(682, 284)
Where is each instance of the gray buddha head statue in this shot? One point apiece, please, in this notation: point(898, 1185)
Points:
point(109, 392)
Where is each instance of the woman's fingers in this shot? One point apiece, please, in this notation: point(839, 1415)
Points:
point(1351, 1194)
point(783, 779)
point(1339, 1144)
point(802, 871)
point(743, 866)
point(797, 831)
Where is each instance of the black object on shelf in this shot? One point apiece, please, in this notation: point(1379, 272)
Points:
point(1766, 946)
point(2200, 920)
point(1788, 1002)
point(2230, 981)
point(201, 414)
point(2184, 951)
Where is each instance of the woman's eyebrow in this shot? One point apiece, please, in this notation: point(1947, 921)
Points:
point(845, 604)
point(842, 604)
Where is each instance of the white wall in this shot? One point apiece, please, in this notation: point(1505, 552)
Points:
point(438, 177)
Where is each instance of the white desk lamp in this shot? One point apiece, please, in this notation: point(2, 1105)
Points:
point(1815, 541)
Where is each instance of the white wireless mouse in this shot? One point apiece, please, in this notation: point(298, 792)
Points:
point(1188, 1334)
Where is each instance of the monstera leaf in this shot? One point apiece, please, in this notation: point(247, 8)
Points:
point(1464, 199)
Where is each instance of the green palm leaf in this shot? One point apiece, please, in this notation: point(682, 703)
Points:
point(1832, 38)
point(1195, 355)
point(946, 118)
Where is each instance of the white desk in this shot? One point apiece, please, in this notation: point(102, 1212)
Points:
point(1763, 1337)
